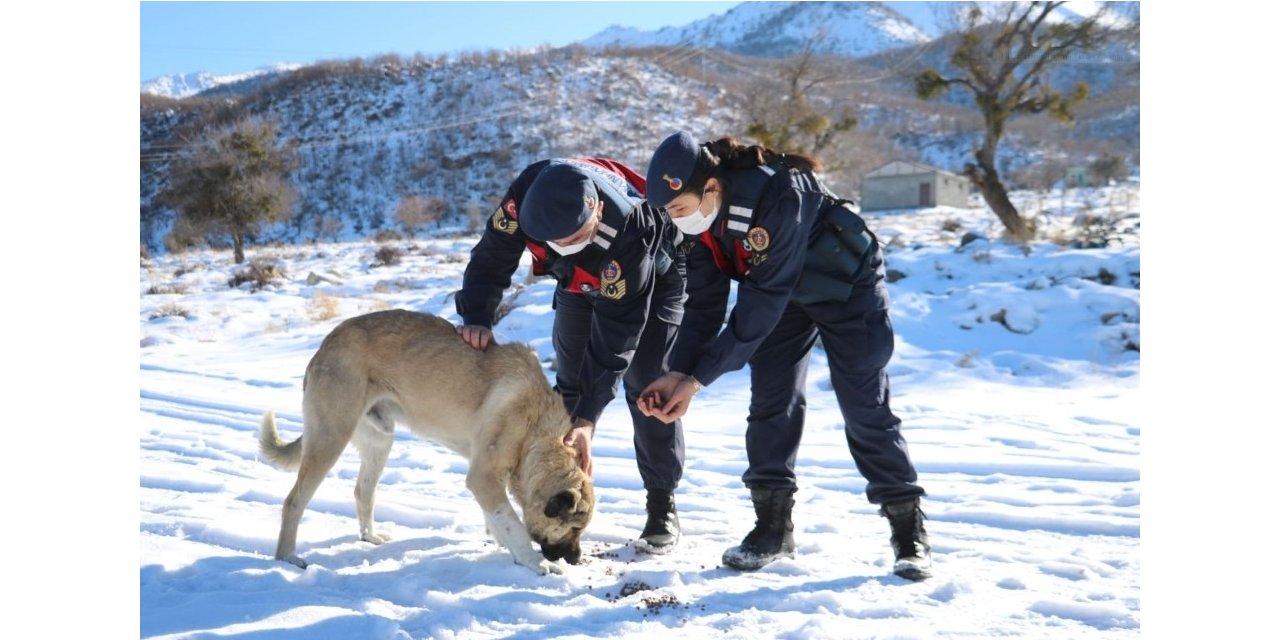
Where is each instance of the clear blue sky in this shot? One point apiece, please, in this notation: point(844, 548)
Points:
point(230, 37)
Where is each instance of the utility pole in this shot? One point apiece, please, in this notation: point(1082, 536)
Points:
point(702, 55)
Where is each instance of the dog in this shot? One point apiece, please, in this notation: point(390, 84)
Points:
point(494, 407)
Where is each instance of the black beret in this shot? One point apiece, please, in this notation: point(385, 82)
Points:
point(671, 168)
point(558, 203)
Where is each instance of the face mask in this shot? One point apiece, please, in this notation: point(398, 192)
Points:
point(568, 250)
point(697, 222)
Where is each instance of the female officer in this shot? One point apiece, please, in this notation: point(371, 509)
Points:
point(618, 304)
point(806, 267)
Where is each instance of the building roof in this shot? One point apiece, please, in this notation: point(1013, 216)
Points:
point(904, 168)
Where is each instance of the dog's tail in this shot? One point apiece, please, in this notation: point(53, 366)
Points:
point(282, 456)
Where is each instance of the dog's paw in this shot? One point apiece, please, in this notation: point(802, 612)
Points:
point(376, 537)
point(547, 566)
point(541, 566)
point(295, 561)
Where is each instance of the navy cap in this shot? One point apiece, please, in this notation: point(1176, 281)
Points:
point(558, 203)
point(671, 168)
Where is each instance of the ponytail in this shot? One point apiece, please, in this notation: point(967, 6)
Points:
point(727, 153)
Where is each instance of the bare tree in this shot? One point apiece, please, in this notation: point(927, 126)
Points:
point(327, 225)
point(781, 112)
point(1108, 167)
point(1003, 62)
point(416, 211)
point(233, 182)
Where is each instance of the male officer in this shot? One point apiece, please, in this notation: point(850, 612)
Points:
point(619, 301)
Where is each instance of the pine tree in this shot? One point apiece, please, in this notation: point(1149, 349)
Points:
point(233, 181)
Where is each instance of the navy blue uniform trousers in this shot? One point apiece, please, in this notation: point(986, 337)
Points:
point(659, 446)
point(858, 337)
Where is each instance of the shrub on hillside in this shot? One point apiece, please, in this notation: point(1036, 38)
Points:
point(259, 274)
point(323, 307)
point(169, 309)
point(387, 256)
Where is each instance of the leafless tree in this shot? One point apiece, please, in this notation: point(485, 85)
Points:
point(416, 211)
point(781, 111)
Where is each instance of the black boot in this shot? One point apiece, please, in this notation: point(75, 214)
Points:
point(662, 529)
point(772, 538)
point(910, 542)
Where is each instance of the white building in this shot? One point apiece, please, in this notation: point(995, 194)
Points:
point(911, 185)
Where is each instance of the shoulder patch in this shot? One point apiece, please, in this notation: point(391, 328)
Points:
point(758, 238)
point(503, 220)
point(500, 222)
point(611, 272)
point(614, 290)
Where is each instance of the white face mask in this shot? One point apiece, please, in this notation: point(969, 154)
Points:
point(568, 250)
point(697, 222)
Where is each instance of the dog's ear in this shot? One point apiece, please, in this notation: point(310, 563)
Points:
point(560, 504)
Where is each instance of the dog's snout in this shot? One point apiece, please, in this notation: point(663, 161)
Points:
point(574, 556)
point(571, 553)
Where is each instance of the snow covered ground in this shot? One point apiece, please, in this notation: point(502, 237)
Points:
point(1016, 375)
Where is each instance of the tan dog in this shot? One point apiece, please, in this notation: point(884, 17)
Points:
point(494, 407)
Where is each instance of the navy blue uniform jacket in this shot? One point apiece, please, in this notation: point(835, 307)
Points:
point(618, 272)
point(766, 263)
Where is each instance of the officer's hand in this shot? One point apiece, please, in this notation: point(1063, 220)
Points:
point(579, 437)
point(655, 396)
point(475, 335)
point(649, 401)
point(678, 403)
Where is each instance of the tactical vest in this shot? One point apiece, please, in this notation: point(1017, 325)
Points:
point(838, 247)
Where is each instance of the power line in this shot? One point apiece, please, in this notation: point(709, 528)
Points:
point(671, 56)
point(504, 111)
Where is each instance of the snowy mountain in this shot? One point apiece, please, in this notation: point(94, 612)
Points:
point(779, 29)
point(183, 85)
point(938, 18)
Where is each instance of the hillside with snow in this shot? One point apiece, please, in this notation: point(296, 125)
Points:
point(368, 136)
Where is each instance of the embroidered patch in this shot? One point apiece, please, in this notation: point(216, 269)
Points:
point(674, 183)
point(614, 290)
point(758, 259)
point(758, 239)
point(501, 222)
point(611, 272)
